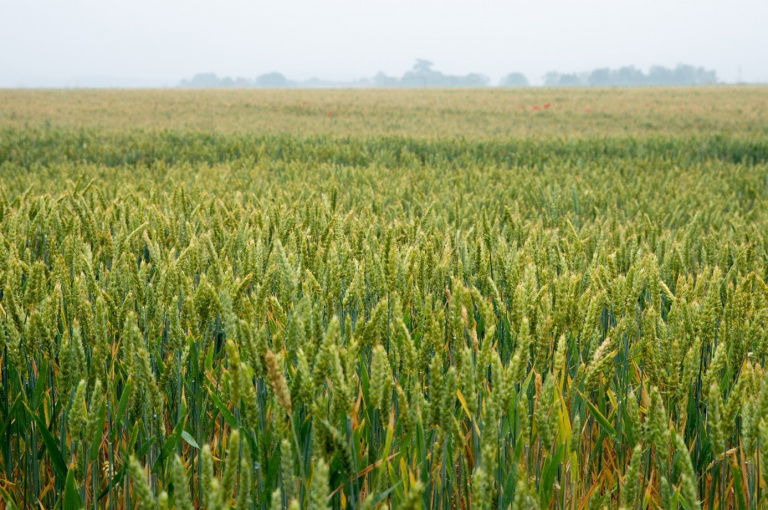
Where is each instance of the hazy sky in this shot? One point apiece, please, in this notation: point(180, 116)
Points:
point(159, 42)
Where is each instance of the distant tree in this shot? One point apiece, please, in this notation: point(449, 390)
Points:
point(631, 76)
point(382, 80)
point(683, 74)
point(514, 80)
point(472, 80)
point(552, 79)
point(600, 78)
point(689, 75)
point(422, 75)
point(202, 80)
point(422, 66)
point(704, 77)
point(659, 75)
point(272, 80)
point(570, 80)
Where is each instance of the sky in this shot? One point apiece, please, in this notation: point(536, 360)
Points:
point(57, 43)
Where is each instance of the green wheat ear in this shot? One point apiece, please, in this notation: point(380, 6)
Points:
point(481, 497)
point(381, 381)
point(763, 434)
point(98, 400)
point(319, 494)
point(141, 489)
point(633, 425)
point(231, 465)
point(688, 475)
point(286, 470)
point(78, 416)
point(467, 381)
point(276, 500)
point(413, 499)
point(244, 486)
point(631, 481)
point(180, 484)
point(524, 500)
point(163, 502)
point(206, 474)
point(278, 382)
point(715, 421)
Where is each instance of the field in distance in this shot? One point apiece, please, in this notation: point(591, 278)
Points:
point(479, 113)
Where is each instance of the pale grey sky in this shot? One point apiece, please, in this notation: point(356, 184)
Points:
point(159, 42)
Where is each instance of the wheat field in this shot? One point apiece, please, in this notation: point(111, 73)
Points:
point(473, 299)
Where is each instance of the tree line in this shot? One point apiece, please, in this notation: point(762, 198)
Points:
point(422, 74)
point(631, 76)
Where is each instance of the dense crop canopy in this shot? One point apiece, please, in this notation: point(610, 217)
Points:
point(221, 321)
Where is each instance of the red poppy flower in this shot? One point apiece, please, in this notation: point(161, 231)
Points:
point(547, 105)
point(536, 108)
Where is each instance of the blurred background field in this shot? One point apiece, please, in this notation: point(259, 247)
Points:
point(448, 113)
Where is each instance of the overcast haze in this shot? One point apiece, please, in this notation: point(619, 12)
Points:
point(159, 42)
